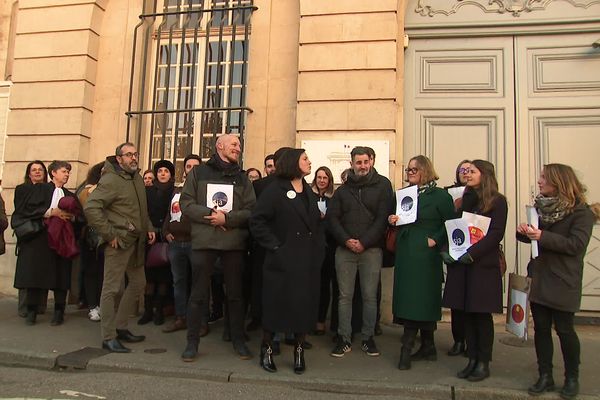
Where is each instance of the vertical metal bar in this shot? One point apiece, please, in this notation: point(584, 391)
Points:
point(168, 86)
point(244, 73)
point(155, 85)
point(177, 100)
point(193, 96)
point(231, 64)
point(219, 74)
point(130, 99)
point(205, 97)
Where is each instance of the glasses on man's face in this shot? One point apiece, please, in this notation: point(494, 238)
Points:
point(411, 170)
point(130, 154)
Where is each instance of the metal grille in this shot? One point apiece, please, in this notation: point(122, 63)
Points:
point(188, 77)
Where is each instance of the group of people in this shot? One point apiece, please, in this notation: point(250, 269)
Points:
point(308, 245)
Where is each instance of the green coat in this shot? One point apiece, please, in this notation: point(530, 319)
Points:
point(418, 272)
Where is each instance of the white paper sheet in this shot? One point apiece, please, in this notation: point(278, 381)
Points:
point(175, 209)
point(478, 225)
point(533, 219)
point(406, 205)
point(322, 206)
point(458, 237)
point(456, 192)
point(517, 316)
point(219, 197)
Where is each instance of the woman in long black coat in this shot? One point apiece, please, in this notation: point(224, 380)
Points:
point(286, 222)
point(474, 283)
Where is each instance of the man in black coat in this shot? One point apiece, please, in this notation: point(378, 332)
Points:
point(357, 219)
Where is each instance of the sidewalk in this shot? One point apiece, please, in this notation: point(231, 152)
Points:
point(513, 369)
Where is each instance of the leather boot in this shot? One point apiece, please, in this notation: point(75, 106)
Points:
point(159, 316)
point(191, 351)
point(464, 374)
point(427, 350)
point(570, 389)
point(266, 358)
point(58, 318)
point(408, 342)
point(457, 349)
point(299, 364)
point(404, 362)
point(545, 383)
point(31, 317)
point(480, 372)
point(148, 313)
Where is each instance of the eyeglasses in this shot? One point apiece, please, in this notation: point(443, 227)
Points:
point(130, 154)
point(411, 170)
point(463, 170)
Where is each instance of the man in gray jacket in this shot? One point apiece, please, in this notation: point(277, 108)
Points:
point(217, 198)
point(117, 210)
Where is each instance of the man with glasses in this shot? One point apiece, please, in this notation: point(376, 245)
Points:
point(117, 210)
point(357, 219)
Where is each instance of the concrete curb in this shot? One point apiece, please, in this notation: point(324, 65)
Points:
point(31, 359)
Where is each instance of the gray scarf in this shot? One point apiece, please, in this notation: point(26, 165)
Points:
point(550, 209)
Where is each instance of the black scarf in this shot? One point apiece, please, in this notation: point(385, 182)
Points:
point(227, 168)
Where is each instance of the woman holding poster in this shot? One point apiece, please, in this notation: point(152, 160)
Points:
point(565, 227)
point(474, 282)
point(418, 275)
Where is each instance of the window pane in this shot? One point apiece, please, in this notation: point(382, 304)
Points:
point(238, 51)
point(236, 97)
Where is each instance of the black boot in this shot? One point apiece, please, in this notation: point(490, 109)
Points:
point(31, 316)
point(299, 364)
point(570, 389)
point(464, 374)
point(457, 349)
point(191, 351)
point(427, 350)
point(159, 316)
point(59, 316)
point(266, 357)
point(148, 313)
point(545, 383)
point(480, 372)
point(408, 342)
point(404, 362)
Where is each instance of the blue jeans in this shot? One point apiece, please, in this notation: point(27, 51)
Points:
point(368, 264)
point(180, 254)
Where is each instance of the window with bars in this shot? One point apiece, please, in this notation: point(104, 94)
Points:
point(196, 79)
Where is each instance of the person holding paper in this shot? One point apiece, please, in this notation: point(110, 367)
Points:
point(287, 223)
point(474, 283)
point(457, 316)
point(418, 275)
point(218, 233)
point(565, 228)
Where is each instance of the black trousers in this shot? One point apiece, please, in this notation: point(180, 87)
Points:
point(35, 297)
point(258, 258)
point(328, 287)
point(458, 325)
point(203, 263)
point(92, 266)
point(479, 332)
point(569, 342)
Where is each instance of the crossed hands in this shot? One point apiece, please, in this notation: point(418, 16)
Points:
point(355, 246)
point(217, 219)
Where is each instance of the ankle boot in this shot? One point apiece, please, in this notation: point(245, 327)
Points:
point(570, 389)
point(299, 364)
point(191, 351)
point(58, 318)
point(148, 313)
point(404, 362)
point(464, 374)
point(159, 316)
point(31, 317)
point(545, 383)
point(408, 342)
point(266, 358)
point(480, 372)
point(427, 350)
point(457, 349)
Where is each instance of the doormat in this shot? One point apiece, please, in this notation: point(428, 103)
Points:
point(79, 359)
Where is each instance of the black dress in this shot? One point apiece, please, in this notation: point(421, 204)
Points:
point(159, 197)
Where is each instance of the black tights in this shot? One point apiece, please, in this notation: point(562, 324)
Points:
point(34, 298)
point(268, 337)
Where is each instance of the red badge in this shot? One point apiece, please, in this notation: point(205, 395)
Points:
point(518, 314)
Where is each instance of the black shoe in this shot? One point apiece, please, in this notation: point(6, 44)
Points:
point(276, 348)
point(480, 372)
point(425, 352)
point(215, 316)
point(545, 383)
point(266, 358)
point(299, 364)
point(464, 374)
point(404, 363)
point(457, 349)
point(31, 317)
point(570, 389)
point(126, 336)
point(369, 347)
point(114, 346)
point(58, 318)
point(242, 350)
point(190, 353)
point(377, 331)
point(253, 325)
point(146, 317)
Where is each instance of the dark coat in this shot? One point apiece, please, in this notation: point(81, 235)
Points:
point(418, 273)
point(477, 287)
point(38, 266)
point(3, 225)
point(556, 274)
point(159, 198)
point(294, 242)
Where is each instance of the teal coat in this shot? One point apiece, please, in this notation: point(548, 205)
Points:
point(418, 272)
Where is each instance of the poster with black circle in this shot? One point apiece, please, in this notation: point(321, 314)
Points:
point(459, 239)
point(406, 205)
point(219, 197)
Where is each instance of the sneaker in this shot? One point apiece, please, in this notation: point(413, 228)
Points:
point(368, 346)
point(94, 314)
point(341, 348)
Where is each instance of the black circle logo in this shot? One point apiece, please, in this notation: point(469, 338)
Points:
point(407, 203)
point(219, 199)
point(458, 237)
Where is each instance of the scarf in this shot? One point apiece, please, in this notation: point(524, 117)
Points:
point(550, 209)
point(425, 187)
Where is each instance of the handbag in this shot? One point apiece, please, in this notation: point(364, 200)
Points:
point(158, 255)
point(502, 260)
point(390, 238)
point(28, 229)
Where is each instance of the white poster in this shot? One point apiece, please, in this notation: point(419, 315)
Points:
point(219, 197)
point(406, 205)
point(517, 316)
point(533, 219)
point(458, 237)
point(478, 225)
point(456, 192)
point(175, 209)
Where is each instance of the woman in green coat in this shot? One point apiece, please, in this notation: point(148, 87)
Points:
point(418, 275)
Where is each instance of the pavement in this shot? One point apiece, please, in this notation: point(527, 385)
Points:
point(512, 370)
